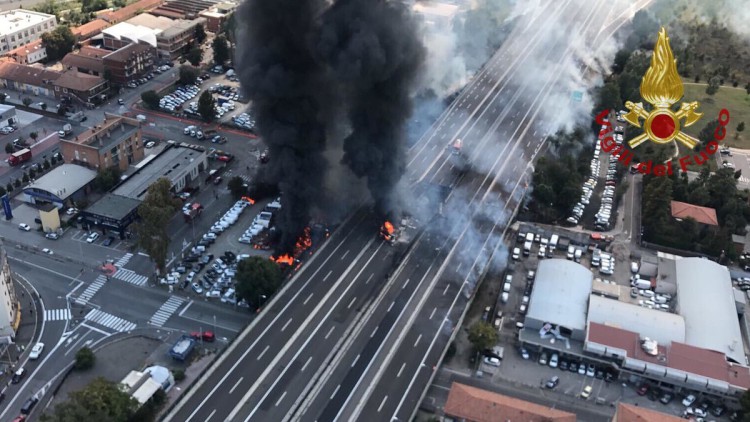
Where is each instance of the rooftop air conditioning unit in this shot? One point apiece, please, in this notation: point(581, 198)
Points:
point(650, 346)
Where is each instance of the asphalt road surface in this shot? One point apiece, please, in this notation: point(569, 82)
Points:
point(344, 339)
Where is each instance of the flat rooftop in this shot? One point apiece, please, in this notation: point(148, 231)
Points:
point(15, 20)
point(168, 164)
point(113, 206)
point(108, 134)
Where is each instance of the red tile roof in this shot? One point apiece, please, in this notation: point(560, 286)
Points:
point(680, 356)
point(30, 75)
point(703, 215)
point(130, 10)
point(78, 81)
point(630, 413)
point(476, 405)
point(90, 29)
point(26, 49)
point(89, 58)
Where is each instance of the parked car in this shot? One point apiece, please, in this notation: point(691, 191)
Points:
point(552, 382)
point(586, 393)
point(23, 226)
point(688, 400)
point(36, 351)
point(92, 237)
point(492, 361)
point(18, 375)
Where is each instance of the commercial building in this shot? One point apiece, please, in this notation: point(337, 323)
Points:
point(88, 59)
point(115, 142)
point(142, 385)
point(7, 115)
point(124, 33)
point(471, 404)
point(49, 215)
point(85, 88)
point(688, 340)
point(127, 12)
point(217, 16)
point(173, 40)
point(182, 9)
point(19, 27)
point(64, 184)
point(10, 307)
point(179, 163)
point(133, 61)
point(111, 213)
point(90, 29)
point(30, 53)
point(170, 37)
point(630, 413)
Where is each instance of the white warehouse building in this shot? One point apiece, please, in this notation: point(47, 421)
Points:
point(19, 27)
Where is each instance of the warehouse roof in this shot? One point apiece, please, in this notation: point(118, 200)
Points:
point(705, 299)
point(64, 180)
point(113, 206)
point(661, 326)
point(561, 293)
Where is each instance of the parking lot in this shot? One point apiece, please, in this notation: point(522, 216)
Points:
point(738, 160)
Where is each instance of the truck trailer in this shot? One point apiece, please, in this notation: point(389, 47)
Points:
point(19, 157)
point(182, 348)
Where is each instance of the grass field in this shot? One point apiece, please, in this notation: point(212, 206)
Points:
point(735, 100)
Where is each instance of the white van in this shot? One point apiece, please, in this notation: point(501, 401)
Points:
point(578, 255)
point(571, 251)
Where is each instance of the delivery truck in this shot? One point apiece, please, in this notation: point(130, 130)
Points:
point(19, 157)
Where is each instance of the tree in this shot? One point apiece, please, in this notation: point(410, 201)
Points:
point(93, 5)
point(9, 187)
point(32, 174)
point(119, 3)
point(25, 177)
point(609, 97)
point(188, 75)
point(85, 359)
point(43, 106)
point(178, 374)
point(101, 400)
point(206, 106)
point(3, 97)
point(200, 33)
point(17, 183)
point(50, 7)
point(46, 164)
point(257, 277)
point(194, 55)
point(745, 405)
point(155, 211)
point(713, 85)
point(9, 148)
point(741, 127)
point(151, 99)
point(62, 110)
point(482, 336)
point(58, 42)
point(34, 136)
point(221, 49)
point(27, 101)
point(107, 178)
point(237, 187)
point(2, 191)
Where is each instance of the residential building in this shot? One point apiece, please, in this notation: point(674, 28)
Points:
point(28, 79)
point(87, 89)
point(114, 142)
point(471, 404)
point(63, 185)
point(10, 307)
point(19, 27)
point(127, 12)
point(703, 215)
point(90, 29)
point(169, 36)
point(131, 62)
point(124, 33)
point(30, 53)
point(218, 15)
point(88, 59)
point(172, 42)
point(630, 413)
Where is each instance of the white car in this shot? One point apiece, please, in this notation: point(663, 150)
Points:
point(492, 361)
point(92, 238)
point(48, 251)
point(36, 351)
point(150, 144)
point(23, 226)
point(688, 401)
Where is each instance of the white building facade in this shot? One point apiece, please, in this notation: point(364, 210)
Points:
point(9, 307)
point(19, 27)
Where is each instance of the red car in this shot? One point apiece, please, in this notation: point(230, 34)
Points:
point(207, 336)
point(642, 390)
point(224, 158)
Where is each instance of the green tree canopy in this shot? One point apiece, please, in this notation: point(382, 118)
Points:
point(257, 277)
point(200, 33)
point(93, 5)
point(107, 178)
point(27, 101)
point(188, 75)
point(101, 400)
point(58, 42)
point(713, 85)
point(151, 99)
point(482, 336)
point(155, 211)
point(194, 55)
point(207, 107)
point(9, 148)
point(85, 359)
point(221, 49)
point(237, 187)
point(741, 127)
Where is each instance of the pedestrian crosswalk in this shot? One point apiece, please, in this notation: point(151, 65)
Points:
point(91, 290)
point(131, 277)
point(124, 260)
point(109, 321)
point(56, 314)
point(165, 312)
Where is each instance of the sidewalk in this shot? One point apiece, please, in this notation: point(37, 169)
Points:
point(31, 320)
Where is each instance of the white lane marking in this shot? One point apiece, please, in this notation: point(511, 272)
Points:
point(335, 391)
point(308, 299)
point(369, 278)
point(351, 303)
point(446, 289)
point(327, 275)
point(305, 365)
point(373, 332)
point(405, 283)
point(382, 403)
point(433, 313)
point(345, 254)
point(391, 306)
point(355, 361)
point(403, 365)
point(329, 332)
point(280, 399)
point(211, 415)
point(286, 325)
point(236, 384)
point(263, 352)
point(417, 342)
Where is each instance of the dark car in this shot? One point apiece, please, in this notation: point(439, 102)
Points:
point(217, 180)
point(719, 410)
point(231, 256)
point(28, 405)
point(191, 258)
point(666, 398)
point(18, 376)
point(563, 365)
point(642, 390)
point(573, 367)
point(609, 376)
point(552, 382)
point(599, 374)
point(108, 241)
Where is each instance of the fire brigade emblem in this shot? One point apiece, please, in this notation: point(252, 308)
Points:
point(662, 88)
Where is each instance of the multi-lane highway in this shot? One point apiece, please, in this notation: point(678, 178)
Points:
point(348, 336)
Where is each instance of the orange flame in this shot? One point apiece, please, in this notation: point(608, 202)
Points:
point(283, 259)
point(250, 200)
point(303, 243)
point(388, 227)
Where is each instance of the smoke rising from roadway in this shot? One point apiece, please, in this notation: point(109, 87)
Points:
point(305, 64)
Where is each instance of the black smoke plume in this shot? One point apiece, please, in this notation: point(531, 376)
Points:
point(303, 65)
point(375, 54)
point(286, 84)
